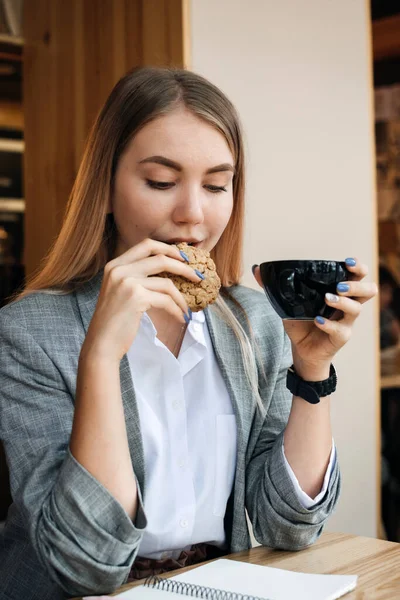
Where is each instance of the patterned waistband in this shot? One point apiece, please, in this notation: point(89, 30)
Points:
point(145, 567)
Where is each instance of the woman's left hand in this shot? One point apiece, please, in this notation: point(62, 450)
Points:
point(315, 343)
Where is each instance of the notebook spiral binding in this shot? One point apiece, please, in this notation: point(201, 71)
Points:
point(194, 591)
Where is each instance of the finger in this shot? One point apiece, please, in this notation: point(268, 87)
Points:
point(165, 286)
point(154, 265)
point(147, 247)
point(165, 302)
point(357, 269)
point(339, 332)
point(361, 290)
point(350, 309)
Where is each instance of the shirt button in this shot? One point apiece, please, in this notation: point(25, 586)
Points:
point(183, 523)
point(164, 555)
point(182, 463)
point(176, 404)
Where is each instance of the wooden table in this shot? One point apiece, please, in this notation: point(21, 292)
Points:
point(376, 562)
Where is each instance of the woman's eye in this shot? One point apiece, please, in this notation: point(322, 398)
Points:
point(215, 189)
point(159, 185)
point(166, 185)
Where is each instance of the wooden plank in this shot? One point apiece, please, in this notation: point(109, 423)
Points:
point(186, 34)
point(174, 32)
point(155, 48)
point(98, 50)
point(62, 158)
point(133, 33)
point(39, 133)
point(77, 65)
point(386, 37)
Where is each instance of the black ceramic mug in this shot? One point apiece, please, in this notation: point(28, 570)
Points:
point(297, 288)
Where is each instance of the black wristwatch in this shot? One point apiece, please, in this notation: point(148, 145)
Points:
point(311, 391)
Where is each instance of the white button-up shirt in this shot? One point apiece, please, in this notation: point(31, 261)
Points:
point(189, 436)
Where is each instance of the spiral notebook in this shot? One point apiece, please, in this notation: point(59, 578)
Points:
point(226, 579)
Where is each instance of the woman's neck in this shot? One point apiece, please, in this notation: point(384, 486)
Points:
point(169, 331)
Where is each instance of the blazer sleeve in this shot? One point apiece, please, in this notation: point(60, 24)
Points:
point(81, 534)
point(278, 517)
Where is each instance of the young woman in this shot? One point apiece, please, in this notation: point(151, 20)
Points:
point(138, 435)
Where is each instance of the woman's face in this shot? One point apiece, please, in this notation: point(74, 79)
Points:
point(173, 183)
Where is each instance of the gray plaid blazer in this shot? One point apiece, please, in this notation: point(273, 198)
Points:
point(65, 534)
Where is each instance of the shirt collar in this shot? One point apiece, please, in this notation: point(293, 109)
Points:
point(197, 317)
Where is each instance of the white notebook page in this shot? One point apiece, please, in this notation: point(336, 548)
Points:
point(254, 580)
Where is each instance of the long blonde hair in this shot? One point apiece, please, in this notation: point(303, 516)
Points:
point(88, 236)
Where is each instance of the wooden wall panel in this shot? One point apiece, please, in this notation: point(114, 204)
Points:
point(133, 33)
point(163, 32)
point(39, 133)
point(74, 53)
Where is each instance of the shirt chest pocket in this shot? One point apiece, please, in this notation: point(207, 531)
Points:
point(225, 461)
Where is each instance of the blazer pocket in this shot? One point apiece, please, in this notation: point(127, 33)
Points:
point(225, 461)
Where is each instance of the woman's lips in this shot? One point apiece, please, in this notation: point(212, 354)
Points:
point(196, 244)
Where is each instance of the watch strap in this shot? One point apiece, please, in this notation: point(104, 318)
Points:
point(311, 391)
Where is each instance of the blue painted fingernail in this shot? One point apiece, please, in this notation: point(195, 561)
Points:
point(320, 320)
point(186, 318)
point(190, 313)
point(253, 268)
point(199, 274)
point(350, 262)
point(184, 255)
point(343, 287)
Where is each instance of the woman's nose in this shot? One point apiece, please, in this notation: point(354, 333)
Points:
point(189, 208)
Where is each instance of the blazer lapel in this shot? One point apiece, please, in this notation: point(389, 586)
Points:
point(228, 354)
point(229, 358)
point(87, 298)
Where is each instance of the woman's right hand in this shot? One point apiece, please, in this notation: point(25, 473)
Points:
point(128, 291)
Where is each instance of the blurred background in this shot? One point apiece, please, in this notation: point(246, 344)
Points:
point(317, 84)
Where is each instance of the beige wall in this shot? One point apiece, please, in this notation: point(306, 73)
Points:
point(299, 73)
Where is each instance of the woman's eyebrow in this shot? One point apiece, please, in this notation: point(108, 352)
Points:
point(219, 168)
point(171, 164)
point(162, 160)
